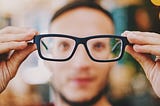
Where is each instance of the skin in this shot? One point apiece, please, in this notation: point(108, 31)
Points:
point(15, 38)
point(146, 43)
point(80, 79)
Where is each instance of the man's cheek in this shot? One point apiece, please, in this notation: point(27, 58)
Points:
point(58, 77)
point(56, 81)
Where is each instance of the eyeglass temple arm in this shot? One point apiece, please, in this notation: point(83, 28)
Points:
point(114, 47)
point(126, 42)
point(33, 41)
point(44, 45)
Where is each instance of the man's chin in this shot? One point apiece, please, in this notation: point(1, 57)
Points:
point(79, 95)
point(79, 98)
point(82, 100)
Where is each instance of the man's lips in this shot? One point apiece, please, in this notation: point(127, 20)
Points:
point(81, 81)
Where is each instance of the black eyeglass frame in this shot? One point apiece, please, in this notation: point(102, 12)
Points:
point(78, 41)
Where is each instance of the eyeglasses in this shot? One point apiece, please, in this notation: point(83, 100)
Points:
point(100, 48)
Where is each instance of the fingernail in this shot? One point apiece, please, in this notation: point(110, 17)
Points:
point(34, 32)
point(125, 33)
point(129, 34)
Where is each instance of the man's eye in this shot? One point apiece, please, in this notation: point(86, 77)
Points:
point(64, 46)
point(98, 46)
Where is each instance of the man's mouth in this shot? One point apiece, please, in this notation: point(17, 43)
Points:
point(82, 81)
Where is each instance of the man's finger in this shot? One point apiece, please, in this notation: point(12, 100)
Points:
point(142, 38)
point(150, 49)
point(18, 57)
point(146, 62)
point(8, 46)
point(16, 30)
point(17, 37)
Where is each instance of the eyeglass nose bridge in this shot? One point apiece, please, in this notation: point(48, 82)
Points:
point(82, 41)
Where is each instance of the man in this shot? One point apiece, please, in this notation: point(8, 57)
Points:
point(78, 81)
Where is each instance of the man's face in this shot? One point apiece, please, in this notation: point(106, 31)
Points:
point(80, 78)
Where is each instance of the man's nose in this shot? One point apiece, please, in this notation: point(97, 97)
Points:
point(80, 56)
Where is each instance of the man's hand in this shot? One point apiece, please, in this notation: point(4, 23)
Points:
point(13, 50)
point(146, 43)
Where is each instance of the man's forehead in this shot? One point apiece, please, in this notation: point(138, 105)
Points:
point(84, 19)
point(83, 13)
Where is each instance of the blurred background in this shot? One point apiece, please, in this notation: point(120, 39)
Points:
point(128, 83)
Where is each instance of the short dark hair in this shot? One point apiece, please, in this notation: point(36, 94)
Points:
point(81, 3)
